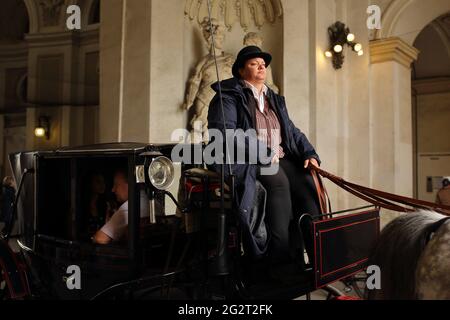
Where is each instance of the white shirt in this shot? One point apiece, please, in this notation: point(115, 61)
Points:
point(259, 96)
point(117, 226)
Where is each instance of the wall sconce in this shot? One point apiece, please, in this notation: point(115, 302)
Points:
point(43, 128)
point(339, 37)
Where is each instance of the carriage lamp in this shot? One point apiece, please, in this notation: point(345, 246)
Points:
point(43, 128)
point(161, 173)
point(339, 36)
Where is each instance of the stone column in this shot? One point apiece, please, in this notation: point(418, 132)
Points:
point(391, 117)
point(323, 114)
point(166, 74)
point(111, 60)
point(296, 62)
point(142, 62)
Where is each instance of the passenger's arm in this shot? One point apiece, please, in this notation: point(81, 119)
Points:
point(101, 238)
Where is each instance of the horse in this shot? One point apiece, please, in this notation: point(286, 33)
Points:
point(413, 254)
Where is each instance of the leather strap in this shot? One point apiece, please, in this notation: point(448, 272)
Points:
point(322, 193)
point(380, 198)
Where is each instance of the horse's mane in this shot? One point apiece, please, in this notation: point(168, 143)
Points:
point(397, 251)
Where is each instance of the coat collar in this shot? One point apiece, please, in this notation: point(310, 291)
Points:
point(236, 87)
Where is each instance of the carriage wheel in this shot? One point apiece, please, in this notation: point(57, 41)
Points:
point(357, 284)
point(332, 292)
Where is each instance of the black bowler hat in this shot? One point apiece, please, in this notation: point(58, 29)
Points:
point(248, 53)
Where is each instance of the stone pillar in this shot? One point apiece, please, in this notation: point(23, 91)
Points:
point(166, 74)
point(391, 117)
point(323, 114)
point(142, 83)
point(111, 60)
point(353, 143)
point(296, 63)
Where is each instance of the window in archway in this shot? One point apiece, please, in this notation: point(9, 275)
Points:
point(95, 13)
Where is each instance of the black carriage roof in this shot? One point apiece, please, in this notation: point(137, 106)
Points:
point(117, 147)
point(108, 147)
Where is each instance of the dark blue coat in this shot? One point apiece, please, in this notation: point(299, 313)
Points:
point(238, 115)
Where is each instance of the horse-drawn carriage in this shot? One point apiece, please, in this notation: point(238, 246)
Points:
point(187, 245)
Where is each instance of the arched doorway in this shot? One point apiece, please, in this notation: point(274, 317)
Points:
point(431, 107)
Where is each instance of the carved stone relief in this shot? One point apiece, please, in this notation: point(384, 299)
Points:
point(50, 10)
point(246, 11)
point(199, 92)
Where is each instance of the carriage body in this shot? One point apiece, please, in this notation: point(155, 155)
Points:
point(177, 251)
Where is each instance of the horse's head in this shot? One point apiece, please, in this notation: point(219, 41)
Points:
point(433, 267)
point(411, 265)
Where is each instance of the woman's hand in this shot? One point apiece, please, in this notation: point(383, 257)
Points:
point(313, 161)
point(275, 159)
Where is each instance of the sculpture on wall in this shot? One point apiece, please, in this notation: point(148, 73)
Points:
point(259, 11)
point(254, 39)
point(199, 92)
point(51, 10)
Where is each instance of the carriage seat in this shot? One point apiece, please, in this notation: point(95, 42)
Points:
point(192, 187)
point(195, 177)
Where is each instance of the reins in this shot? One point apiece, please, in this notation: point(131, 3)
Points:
point(379, 198)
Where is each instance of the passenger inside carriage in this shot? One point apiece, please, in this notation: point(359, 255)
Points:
point(116, 227)
point(98, 205)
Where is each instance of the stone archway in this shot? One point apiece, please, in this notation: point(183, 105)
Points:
point(431, 107)
point(391, 57)
point(407, 18)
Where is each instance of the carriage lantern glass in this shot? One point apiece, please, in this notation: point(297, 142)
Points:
point(161, 173)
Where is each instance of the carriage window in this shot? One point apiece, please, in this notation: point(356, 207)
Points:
point(54, 198)
point(75, 196)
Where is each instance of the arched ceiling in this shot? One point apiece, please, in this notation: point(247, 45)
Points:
point(434, 45)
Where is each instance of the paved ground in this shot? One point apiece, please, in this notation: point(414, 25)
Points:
point(322, 295)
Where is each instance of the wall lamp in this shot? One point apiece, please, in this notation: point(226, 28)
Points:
point(43, 128)
point(340, 36)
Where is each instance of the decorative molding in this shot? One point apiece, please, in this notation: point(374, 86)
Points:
point(50, 12)
point(431, 86)
point(259, 11)
point(33, 15)
point(390, 16)
point(392, 49)
point(63, 38)
point(14, 52)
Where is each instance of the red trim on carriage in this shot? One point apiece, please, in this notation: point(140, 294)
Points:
point(20, 268)
point(332, 229)
point(321, 278)
point(346, 298)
